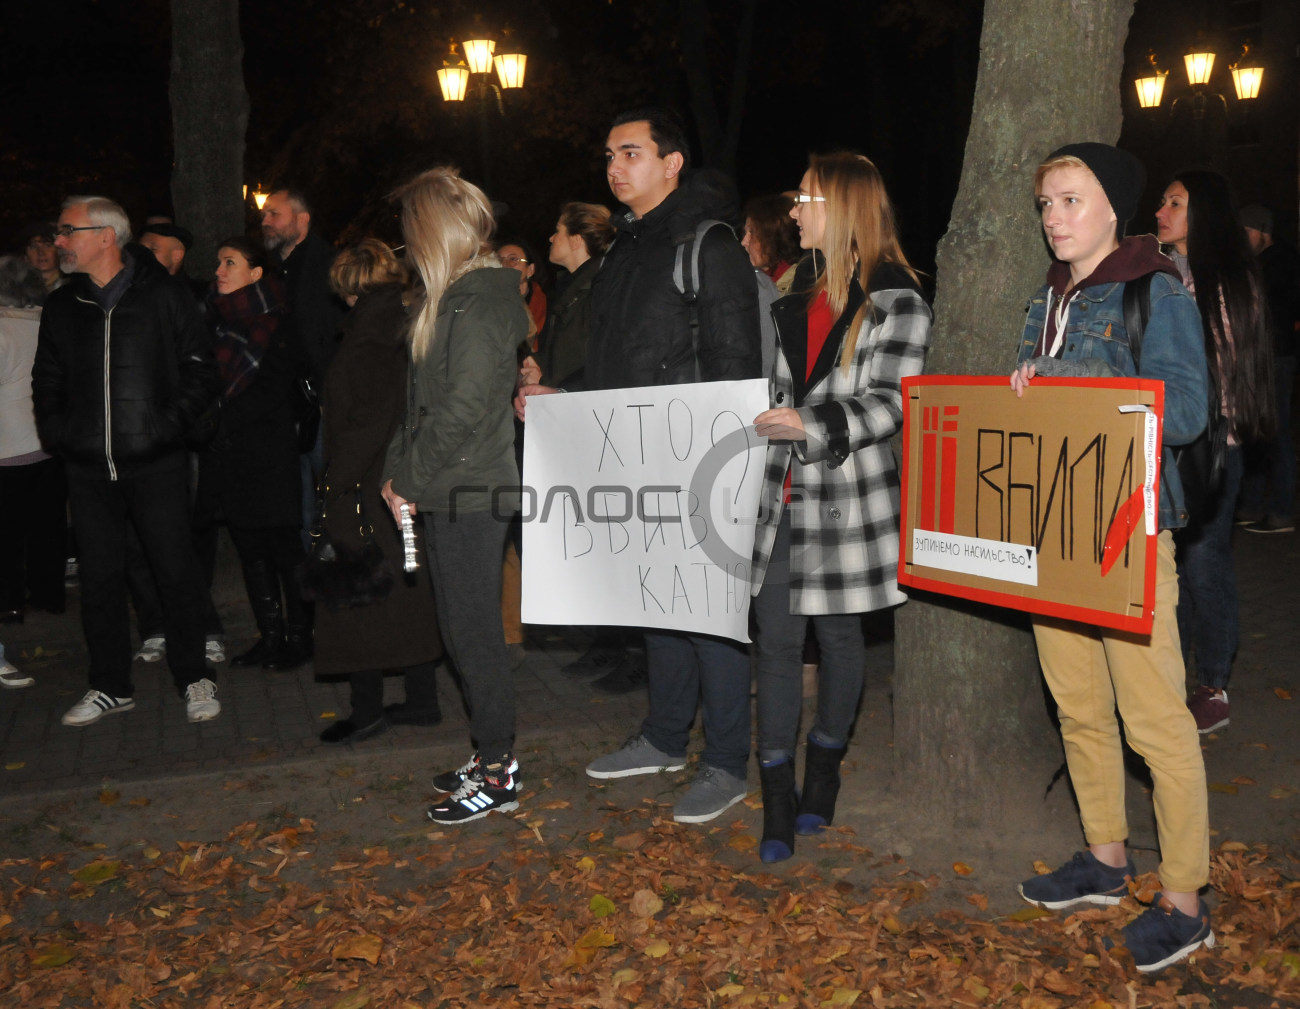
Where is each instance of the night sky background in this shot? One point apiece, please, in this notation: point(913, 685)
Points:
point(345, 102)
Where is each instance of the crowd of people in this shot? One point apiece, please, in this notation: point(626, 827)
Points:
point(324, 404)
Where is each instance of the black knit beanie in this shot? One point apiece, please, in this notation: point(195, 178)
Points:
point(1121, 176)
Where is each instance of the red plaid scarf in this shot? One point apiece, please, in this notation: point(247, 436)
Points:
point(244, 322)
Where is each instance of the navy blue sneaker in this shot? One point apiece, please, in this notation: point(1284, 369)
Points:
point(1082, 880)
point(1162, 935)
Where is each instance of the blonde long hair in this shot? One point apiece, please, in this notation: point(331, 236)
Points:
point(860, 234)
point(446, 222)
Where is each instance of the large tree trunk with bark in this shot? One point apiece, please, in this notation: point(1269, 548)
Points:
point(209, 122)
point(972, 732)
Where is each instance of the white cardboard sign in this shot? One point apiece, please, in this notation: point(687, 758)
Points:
point(639, 506)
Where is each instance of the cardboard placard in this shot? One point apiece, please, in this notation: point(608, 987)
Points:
point(1046, 503)
point(639, 506)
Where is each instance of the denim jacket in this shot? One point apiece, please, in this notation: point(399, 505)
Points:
point(1173, 350)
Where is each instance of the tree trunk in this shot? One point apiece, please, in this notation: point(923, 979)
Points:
point(718, 140)
point(209, 121)
point(972, 733)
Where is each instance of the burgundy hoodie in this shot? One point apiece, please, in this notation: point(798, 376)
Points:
point(1136, 256)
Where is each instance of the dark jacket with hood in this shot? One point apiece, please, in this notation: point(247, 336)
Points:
point(116, 389)
point(640, 327)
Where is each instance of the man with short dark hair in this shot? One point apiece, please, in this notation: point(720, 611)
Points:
point(314, 310)
point(1267, 502)
point(306, 259)
point(644, 332)
point(123, 367)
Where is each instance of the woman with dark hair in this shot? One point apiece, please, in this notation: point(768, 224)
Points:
point(454, 455)
point(363, 405)
point(771, 238)
point(518, 255)
point(853, 327)
point(248, 472)
point(582, 234)
point(1198, 220)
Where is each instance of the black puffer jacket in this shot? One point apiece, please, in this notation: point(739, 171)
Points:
point(115, 391)
point(641, 332)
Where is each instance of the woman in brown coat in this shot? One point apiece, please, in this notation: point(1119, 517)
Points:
point(363, 405)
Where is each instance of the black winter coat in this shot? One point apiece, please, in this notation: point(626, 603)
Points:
point(116, 392)
point(249, 472)
point(365, 397)
point(564, 347)
point(641, 332)
point(313, 307)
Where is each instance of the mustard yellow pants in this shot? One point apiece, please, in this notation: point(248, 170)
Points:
point(1091, 671)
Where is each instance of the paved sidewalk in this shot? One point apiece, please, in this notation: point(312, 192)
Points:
point(266, 718)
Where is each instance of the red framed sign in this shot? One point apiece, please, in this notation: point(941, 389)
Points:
point(1046, 503)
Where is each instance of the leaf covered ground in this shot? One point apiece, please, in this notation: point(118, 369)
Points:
point(638, 911)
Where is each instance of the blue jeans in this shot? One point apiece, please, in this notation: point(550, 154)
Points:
point(780, 640)
point(1269, 485)
point(686, 669)
point(1207, 584)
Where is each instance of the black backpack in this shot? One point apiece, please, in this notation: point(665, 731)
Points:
point(1202, 463)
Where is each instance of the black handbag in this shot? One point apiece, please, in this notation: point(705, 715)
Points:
point(1202, 464)
point(341, 577)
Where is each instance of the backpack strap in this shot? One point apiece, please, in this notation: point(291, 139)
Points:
point(690, 294)
point(1137, 312)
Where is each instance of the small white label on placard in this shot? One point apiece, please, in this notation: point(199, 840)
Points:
point(972, 555)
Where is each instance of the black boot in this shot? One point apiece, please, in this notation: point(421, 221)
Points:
point(297, 646)
point(821, 787)
point(264, 597)
point(780, 803)
point(294, 650)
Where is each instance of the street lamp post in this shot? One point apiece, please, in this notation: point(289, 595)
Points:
point(474, 72)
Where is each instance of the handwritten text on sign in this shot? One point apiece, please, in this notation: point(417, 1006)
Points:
point(639, 506)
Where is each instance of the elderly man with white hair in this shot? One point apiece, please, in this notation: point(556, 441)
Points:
point(123, 368)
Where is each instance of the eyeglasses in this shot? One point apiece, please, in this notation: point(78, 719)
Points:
point(515, 260)
point(807, 198)
point(67, 230)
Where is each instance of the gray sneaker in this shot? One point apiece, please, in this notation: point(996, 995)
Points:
point(711, 793)
point(637, 756)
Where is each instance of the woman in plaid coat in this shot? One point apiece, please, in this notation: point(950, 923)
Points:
point(826, 548)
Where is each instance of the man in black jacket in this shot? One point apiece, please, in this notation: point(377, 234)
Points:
point(123, 368)
point(315, 312)
point(642, 335)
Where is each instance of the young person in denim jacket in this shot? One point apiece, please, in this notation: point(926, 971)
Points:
point(1086, 193)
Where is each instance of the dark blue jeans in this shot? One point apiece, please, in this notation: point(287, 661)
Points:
point(780, 641)
point(1268, 487)
point(686, 669)
point(1207, 584)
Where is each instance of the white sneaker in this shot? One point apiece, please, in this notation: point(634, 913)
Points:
point(94, 706)
point(214, 651)
point(152, 650)
point(11, 678)
point(201, 704)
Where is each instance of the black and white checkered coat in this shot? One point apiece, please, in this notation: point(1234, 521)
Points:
point(844, 501)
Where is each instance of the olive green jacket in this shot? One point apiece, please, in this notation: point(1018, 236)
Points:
point(455, 449)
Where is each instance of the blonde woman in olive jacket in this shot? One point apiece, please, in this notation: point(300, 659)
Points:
point(453, 463)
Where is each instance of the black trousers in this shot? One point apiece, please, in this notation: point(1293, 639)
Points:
point(33, 534)
point(143, 588)
point(465, 568)
point(157, 505)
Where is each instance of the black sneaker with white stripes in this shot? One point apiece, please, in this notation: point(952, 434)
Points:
point(449, 781)
point(489, 787)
